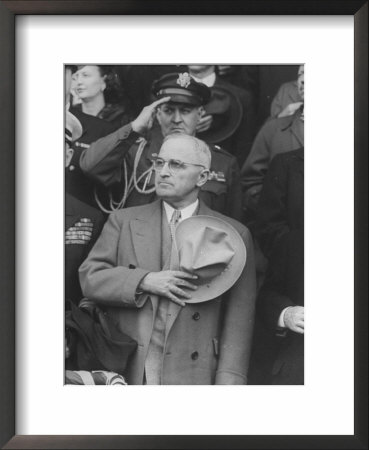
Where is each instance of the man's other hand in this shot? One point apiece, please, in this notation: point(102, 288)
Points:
point(204, 123)
point(294, 319)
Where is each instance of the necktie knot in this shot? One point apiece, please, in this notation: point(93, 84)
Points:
point(175, 217)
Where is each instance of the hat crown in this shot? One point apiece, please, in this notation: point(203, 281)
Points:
point(206, 254)
point(212, 249)
point(181, 88)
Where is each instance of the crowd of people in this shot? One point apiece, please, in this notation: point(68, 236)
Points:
point(184, 224)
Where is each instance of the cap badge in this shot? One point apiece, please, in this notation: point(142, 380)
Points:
point(184, 79)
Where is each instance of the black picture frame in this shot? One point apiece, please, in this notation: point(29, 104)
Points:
point(8, 11)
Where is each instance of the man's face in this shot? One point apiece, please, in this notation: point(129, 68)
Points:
point(300, 81)
point(179, 188)
point(179, 118)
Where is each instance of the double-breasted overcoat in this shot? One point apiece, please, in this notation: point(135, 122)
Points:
point(205, 343)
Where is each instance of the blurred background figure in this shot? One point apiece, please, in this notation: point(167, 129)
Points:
point(278, 135)
point(83, 224)
point(137, 80)
point(289, 97)
point(100, 111)
point(99, 93)
point(233, 127)
point(278, 355)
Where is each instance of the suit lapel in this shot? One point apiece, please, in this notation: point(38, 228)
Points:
point(146, 237)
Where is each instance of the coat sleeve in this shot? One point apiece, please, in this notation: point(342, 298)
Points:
point(237, 330)
point(234, 195)
point(255, 168)
point(102, 279)
point(272, 220)
point(102, 161)
point(284, 282)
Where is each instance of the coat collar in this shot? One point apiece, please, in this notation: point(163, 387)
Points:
point(293, 124)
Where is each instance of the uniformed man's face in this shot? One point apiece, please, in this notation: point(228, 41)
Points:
point(180, 188)
point(88, 82)
point(179, 118)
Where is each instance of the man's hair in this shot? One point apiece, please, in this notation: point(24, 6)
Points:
point(201, 148)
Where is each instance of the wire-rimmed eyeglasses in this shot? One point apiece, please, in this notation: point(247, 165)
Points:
point(174, 165)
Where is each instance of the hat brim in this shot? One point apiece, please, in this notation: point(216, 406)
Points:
point(73, 125)
point(226, 279)
point(234, 114)
point(183, 99)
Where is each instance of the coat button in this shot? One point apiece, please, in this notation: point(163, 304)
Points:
point(194, 355)
point(196, 316)
point(71, 168)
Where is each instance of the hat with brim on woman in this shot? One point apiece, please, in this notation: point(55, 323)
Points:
point(226, 109)
point(213, 250)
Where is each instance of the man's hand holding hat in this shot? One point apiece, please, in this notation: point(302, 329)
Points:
point(145, 119)
point(167, 284)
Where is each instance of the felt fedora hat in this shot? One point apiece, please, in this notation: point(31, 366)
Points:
point(213, 250)
point(226, 109)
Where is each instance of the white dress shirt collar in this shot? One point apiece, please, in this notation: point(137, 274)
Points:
point(185, 212)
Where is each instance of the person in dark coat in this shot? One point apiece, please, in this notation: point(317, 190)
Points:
point(278, 356)
point(83, 224)
point(279, 135)
point(288, 98)
point(280, 306)
point(77, 183)
point(281, 205)
point(239, 144)
point(112, 162)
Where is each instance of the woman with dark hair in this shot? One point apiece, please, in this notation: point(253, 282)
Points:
point(101, 111)
point(100, 93)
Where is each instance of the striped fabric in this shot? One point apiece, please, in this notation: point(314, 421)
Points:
point(95, 377)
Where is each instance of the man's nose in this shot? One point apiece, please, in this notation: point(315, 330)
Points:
point(165, 172)
point(177, 116)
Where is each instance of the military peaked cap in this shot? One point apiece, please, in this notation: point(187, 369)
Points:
point(182, 88)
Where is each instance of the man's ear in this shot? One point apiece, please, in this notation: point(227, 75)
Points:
point(202, 111)
point(203, 177)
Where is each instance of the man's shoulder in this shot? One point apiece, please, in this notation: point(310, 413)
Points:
point(135, 212)
point(74, 206)
point(221, 153)
point(277, 124)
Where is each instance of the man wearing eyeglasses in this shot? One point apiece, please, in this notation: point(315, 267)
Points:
point(130, 270)
point(128, 171)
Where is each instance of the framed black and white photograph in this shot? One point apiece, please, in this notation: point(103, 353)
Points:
point(172, 219)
